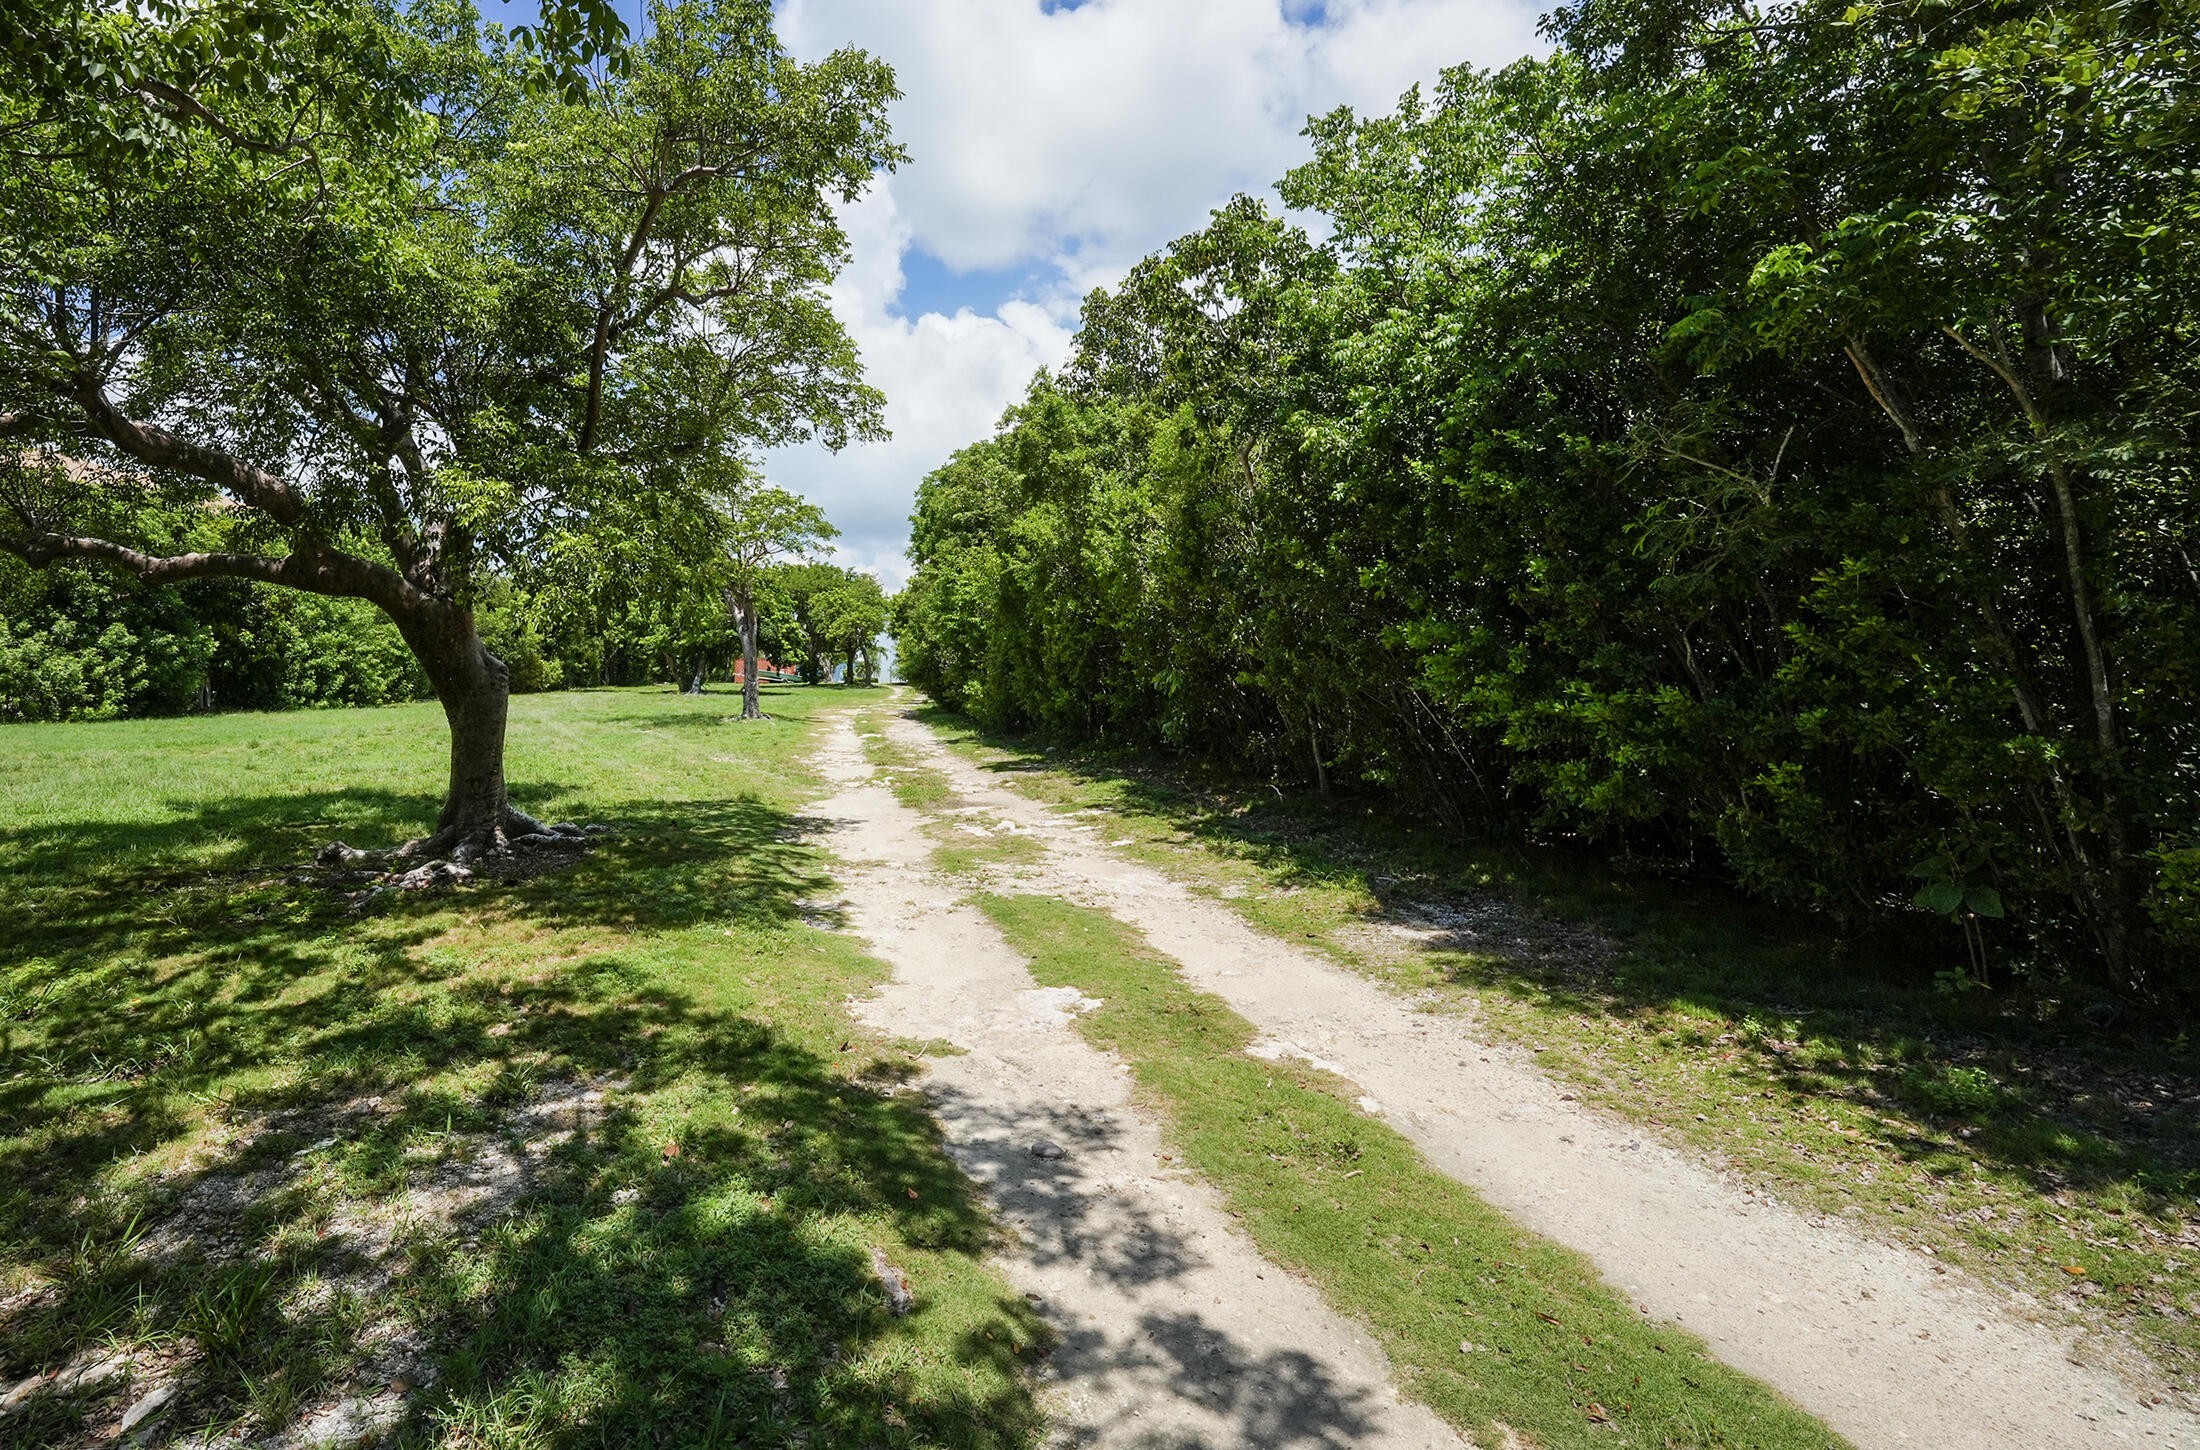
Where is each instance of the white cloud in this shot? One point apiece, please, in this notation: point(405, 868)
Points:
point(946, 381)
point(1073, 142)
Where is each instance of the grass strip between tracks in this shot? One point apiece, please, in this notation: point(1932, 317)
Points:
point(1488, 1325)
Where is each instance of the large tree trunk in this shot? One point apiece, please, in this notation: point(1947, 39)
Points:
point(474, 688)
point(752, 707)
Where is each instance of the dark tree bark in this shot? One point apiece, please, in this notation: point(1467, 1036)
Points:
point(744, 617)
point(474, 688)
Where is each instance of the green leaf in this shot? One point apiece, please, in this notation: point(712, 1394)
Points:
point(1944, 897)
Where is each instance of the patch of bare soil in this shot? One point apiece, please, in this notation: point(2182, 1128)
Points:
point(1486, 925)
point(222, 1217)
point(1883, 1345)
point(368, 879)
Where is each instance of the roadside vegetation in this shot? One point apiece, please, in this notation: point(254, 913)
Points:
point(1755, 437)
point(2019, 1134)
point(595, 1157)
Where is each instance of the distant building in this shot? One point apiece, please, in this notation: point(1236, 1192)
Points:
point(766, 672)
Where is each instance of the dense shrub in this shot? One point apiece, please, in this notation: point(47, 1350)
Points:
point(79, 644)
point(72, 647)
point(1760, 436)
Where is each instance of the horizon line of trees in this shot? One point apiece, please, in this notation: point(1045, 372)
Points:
point(1759, 435)
point(78, 645)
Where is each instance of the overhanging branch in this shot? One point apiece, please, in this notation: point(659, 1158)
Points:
point(40, 549)
point(150, 443)
point(315, 571)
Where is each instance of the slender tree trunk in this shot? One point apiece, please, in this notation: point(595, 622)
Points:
point(2120, 916)
point(474, 688)
point(2107, 893)
point(752, 707)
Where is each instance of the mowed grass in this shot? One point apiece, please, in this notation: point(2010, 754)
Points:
point(1488, 1325)
point(592, 1159)
point(2043, 1140)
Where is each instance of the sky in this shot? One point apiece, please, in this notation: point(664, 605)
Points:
point(1053, 143)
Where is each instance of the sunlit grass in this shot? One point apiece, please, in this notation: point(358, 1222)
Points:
point(235, 1117)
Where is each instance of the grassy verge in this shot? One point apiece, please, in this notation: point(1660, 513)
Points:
point(2004, 1131)
point(596, 1158)
point(1487, 1325)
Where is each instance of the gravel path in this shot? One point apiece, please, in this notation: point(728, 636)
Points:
point(1874, 1339)
point(1174, 1331)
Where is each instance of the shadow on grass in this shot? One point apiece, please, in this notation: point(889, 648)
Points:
point(721, 704)
point(483, 1166)
point(2017, 1077)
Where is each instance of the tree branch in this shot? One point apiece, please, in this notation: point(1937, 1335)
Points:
point(184, 106)
point(40, 549)
point(316, 571)
point(2105, 723)
point(1876, 384)
point(150, 443)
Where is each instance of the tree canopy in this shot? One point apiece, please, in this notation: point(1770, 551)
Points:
point(388, 339)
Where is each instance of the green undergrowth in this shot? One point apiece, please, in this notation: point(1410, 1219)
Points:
point(592, 1159)
point(2045, 1143)
point(1485, 1323)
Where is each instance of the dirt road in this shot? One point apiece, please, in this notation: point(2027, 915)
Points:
point(1872, 1338)
point(1173, 1330)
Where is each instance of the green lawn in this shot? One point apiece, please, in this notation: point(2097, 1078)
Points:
point(2006, 1131)
point(595, 1159)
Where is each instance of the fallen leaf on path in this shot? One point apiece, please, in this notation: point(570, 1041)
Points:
point(1548, 1318)
point(1597, 1414)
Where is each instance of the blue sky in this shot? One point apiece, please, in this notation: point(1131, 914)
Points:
point(1053, 143)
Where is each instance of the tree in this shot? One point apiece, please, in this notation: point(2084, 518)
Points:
point(761, 527)
point(1761, 435)
point(802, 585)
point(408, 351)
point(851, 615)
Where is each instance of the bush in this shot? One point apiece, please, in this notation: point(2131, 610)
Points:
point(281, 649)
point(1953, 1092)
point(73, 647)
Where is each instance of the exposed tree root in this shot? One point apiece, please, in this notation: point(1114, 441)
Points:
point(465, 842)
point(516, 847)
